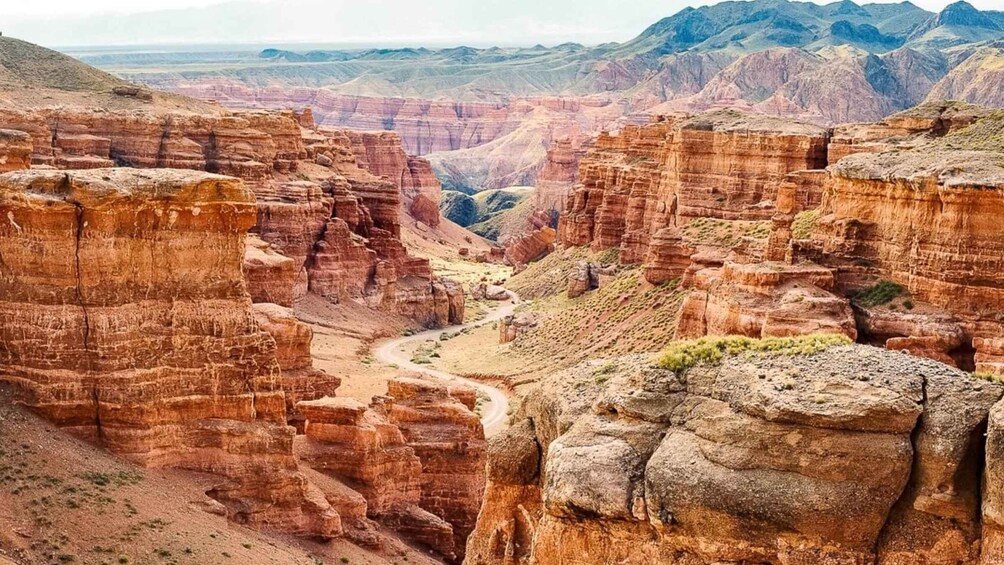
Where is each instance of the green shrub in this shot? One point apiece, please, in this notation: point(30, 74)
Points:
point(682, 355)
point(881, 293)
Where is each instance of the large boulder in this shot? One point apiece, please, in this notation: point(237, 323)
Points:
point(776, 453)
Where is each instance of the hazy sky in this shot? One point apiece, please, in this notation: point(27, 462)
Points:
point(392, 22)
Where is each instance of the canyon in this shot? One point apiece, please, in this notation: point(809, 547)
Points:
point(881, 233)
point(156, 263)
point(737, 319)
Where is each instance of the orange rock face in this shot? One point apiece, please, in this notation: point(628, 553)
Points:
point(558, 176)
point(132, 281)
point(15, 150)
point(717, 165)
point(300, 381)
point(299, 218)
point(448, 438)
point(417, 456)
point(927, 221)
point(530, 246)
point(911, 200)
point(765, 300)
point(382, 154)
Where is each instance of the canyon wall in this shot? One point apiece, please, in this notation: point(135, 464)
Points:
point(126, 319)
point(425, 126)
point(909, 201)
point(558, 176)
point(167, 333)
point(718, 165)
point(764, 457)
point(319, 203)
point(416, 455)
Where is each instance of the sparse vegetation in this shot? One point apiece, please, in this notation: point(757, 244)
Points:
point(989, 377)
point(724, 233)
point(803, 224)
point(881, 293)
point(682, 355)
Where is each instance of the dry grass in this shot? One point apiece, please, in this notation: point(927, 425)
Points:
point(804, 223)
point(724, 233)
point(680, 356)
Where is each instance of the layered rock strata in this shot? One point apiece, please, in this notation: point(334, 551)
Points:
point(558, 176)
point(382, 154)
point(530, 246)
point(652, 466)
point(126, 319)
point(718, 165)
point(296, 209)
point(416, 455)
point(927, 220)
point(909, 201)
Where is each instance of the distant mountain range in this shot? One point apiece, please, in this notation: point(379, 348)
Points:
point(827, 64)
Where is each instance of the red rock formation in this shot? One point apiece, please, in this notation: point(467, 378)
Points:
point(448, 438)
point(300, 218)
point(271, 276)
point(717, 165)
point(416, 456)
point(668, 256)
point(764, 300)
point(511, 327)
point(157, 353)
point(926, 219)
point(300, 381)
point(382, 154)
point(15, 150)
point(558, 176)
point(530, 246)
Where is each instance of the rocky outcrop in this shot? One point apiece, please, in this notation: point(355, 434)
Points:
point(416, 455)
point(530, 246)
point(15, 150)
point(672, 171)
point(511, 327)
point(586, 276)
point(558, 176)
point(924, 219)
point(271, 276)
point(126, 319)
point(298, 218)
point(382, 154)
point(764, 299)
point(908, 201)
point(654, 466)
point(668, 256)
point(300, 380)
point(448, 438)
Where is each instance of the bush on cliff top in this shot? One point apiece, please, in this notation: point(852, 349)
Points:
point(683, 355)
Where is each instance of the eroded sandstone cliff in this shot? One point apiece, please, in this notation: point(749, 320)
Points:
point(126, 319)
point(330, 201)
point(765, 457)
point(888, 235)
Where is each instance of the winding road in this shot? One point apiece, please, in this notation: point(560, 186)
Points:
point(493, 415)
